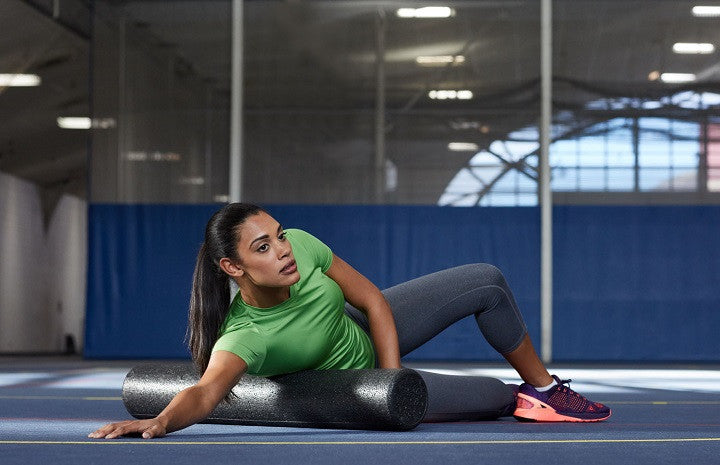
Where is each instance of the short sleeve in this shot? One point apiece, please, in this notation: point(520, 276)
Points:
point(321, 253)
point(245, 342)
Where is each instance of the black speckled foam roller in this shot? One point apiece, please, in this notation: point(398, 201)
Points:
point(374, 399)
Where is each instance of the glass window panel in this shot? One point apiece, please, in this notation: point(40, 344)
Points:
point(507, 182)
point(486, 175)
point(563, 153)
point(532, 160)
point(501, 199)
point(591, 151)
point(685, 153)
point(657, 125)
point(654, 179)
point(484, 158)
point(684, 180)
point(713, 183)
point(495, 67)
point(602, 86)
point(525, 183)
point(620, 179)
point(620, 149)
point(564, 179)
point(513, 150)
point(685, 129)
point(653, 153)
point(526, 199)
point(463, 200)
point(591, 179)
point(713, 145)
point(464, 182)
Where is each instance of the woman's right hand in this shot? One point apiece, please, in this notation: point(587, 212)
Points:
point(151, 428)
point(190, 406)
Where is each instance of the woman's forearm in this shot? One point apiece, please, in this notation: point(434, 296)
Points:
point(187, 408)
point(384, 334)
point(365, 296)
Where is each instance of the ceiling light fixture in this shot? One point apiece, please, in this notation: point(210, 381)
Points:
point(674, 78)
point(83, 122)
point(450, 94)
point(74, 122)
point(19, 80)
point(706, 11)
point(463, 147)
point(693, 48)
point(440, 60)
point(426, 12)
point(192, 180)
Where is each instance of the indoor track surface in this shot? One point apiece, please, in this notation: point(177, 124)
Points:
point(49, 405)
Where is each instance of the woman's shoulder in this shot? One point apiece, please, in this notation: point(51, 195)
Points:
point(299, 234)
point(317, 251)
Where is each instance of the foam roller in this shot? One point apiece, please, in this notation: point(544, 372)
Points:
point(375, 399)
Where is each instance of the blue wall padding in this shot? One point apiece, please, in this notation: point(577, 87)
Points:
point(630, 283)
point(142, 257)
point(392, 244)
point(637, 283)
point(141, 260)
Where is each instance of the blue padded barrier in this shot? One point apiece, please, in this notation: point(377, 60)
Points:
point(142, 256)
point(636, 283)
point(630, 283)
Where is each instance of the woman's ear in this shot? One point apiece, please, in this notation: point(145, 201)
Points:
point(230, 268)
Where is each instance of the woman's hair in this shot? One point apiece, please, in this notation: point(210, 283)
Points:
point(210, 297)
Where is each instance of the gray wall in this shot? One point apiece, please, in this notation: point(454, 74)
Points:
point(43, 264)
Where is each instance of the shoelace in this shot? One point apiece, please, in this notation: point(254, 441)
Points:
point(567, 390)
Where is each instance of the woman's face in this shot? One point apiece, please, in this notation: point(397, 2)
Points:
point(266, 257)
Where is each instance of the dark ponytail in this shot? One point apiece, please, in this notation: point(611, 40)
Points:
point(210, 297)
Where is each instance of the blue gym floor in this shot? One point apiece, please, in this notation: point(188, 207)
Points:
point(49, 405)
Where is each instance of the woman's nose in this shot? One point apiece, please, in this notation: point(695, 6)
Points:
point(283, 249)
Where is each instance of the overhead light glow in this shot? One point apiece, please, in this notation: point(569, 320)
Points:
point(440, 60)
point(426, 12)
point(706, 11)
point(450, 94)
point(677, 77)
point(192, 180)
point(83, 122)
point(693, 48)
point(654, 75)
point(19, 80)
point(463, 147)
point(156, 156)
point(74, 122)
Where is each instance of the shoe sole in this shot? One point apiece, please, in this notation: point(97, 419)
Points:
point(541, 411)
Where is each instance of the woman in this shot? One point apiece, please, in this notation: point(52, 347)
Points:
point(288, 316)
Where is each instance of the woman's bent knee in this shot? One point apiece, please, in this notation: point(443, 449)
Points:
point(487, 273)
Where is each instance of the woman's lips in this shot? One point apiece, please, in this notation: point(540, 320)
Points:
point(290, 268)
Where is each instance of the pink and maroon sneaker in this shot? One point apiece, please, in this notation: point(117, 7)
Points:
point(559, 403)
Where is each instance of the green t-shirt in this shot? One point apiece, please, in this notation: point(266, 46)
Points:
point(309, 331)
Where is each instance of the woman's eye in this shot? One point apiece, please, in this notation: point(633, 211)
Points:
point(263, 248)
point(282, 236)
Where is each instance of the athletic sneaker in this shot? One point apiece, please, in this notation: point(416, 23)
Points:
point(559, 403)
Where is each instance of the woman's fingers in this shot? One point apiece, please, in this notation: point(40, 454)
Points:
point(154, 431)
point(115, 430)
point(148, 429)
point(104, 431)
point(107, 429)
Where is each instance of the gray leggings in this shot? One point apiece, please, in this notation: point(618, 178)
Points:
point(425, 306)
